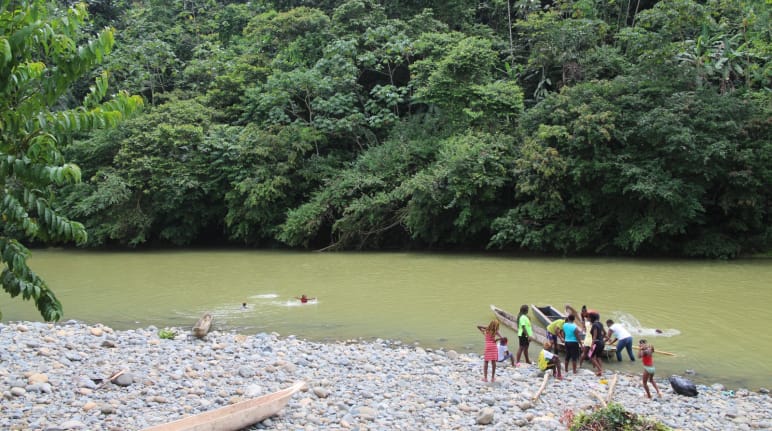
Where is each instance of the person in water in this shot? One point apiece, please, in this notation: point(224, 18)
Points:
point(303, 298)
point(619, 332)
point(243, 305)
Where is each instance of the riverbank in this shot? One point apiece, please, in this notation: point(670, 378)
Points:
point(50, 374)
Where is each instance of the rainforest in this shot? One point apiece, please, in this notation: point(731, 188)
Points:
point(587, 127)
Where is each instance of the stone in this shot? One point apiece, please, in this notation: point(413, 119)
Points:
point(125, 379)
point(321, 392)
point(72, 425)
point(106, 409)
point(485, 417)
point(97, 332)
point(89, 405)
point(37, 378)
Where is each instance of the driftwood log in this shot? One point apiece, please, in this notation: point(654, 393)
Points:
point(201, 328)
point(611, 388)
point(600, 398)
point(111, 378)
point(547, 375)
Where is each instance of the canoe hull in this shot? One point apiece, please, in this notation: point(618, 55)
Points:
point(547, 314)
point(509, 320)
point(234, 417)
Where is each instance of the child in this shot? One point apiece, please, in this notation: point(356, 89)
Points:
point(646, 353)
point(504, 353)
point(491, 352)
point(549, 361)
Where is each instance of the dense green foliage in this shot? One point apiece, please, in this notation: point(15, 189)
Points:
point(42, 55)
point(574, 127)
point(571, 127)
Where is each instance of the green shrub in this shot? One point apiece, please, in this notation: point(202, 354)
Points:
point(614, 418)
point(167, 334)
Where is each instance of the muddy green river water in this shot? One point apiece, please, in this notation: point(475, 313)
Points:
point(713, 315)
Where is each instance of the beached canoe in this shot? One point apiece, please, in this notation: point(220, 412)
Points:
point(547, 314)
point(571, 310)
point(510, 320)
point(236, 416)
point(201, 328)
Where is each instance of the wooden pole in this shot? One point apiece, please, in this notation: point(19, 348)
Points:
point(600, 398)
point(611, 388)
point(658, 351)
point(543, 384)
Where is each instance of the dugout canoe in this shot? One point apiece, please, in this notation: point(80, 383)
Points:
point(510, 321)
point(546, 314)
point(234, 417)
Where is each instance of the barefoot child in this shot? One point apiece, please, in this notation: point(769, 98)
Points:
point(504, 352)
point(549, 361)
point(646, 353)
point(491, 351)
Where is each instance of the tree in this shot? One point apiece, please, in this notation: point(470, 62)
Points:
point(40, 59)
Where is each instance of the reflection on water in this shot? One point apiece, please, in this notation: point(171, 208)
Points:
point(433, 299)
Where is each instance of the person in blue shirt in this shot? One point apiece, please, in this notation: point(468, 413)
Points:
point(573, 335)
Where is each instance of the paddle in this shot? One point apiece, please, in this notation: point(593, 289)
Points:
point(658, 351)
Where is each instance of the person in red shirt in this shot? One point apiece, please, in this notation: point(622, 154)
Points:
point(303, 298)
point(646, 353)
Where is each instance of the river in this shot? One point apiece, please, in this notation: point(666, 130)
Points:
point(711, 313)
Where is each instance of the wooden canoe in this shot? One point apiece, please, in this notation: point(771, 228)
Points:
point(235, 416)
point(510, 320)
point(201, 328)
point(547, 314)
point(577, 315)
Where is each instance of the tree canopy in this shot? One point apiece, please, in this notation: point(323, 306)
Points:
point(567, 127)
point(43, 53)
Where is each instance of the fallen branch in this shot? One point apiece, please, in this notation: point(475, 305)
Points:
point(611, 387)
point(111, 378)
point(600, 398)
point(543, 384)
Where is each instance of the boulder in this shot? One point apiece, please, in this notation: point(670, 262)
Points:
point(683, 386)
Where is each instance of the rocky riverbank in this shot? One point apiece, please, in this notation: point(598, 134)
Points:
point(51, 378)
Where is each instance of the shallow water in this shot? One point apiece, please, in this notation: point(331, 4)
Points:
point(435, 300)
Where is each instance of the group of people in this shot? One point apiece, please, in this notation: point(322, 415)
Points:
point(583, 340)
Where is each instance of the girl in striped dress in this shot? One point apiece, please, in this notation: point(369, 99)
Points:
point(491, 351)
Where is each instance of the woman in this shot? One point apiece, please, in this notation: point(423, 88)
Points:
point(524, 333)
point(598, 343)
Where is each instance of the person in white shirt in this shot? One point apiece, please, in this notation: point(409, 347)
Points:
point(625, 340)
point(504, 352)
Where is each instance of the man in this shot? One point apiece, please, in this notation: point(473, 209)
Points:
point(555, 333)
point(625, 340)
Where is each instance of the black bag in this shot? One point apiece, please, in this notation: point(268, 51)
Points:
point(683, 386)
